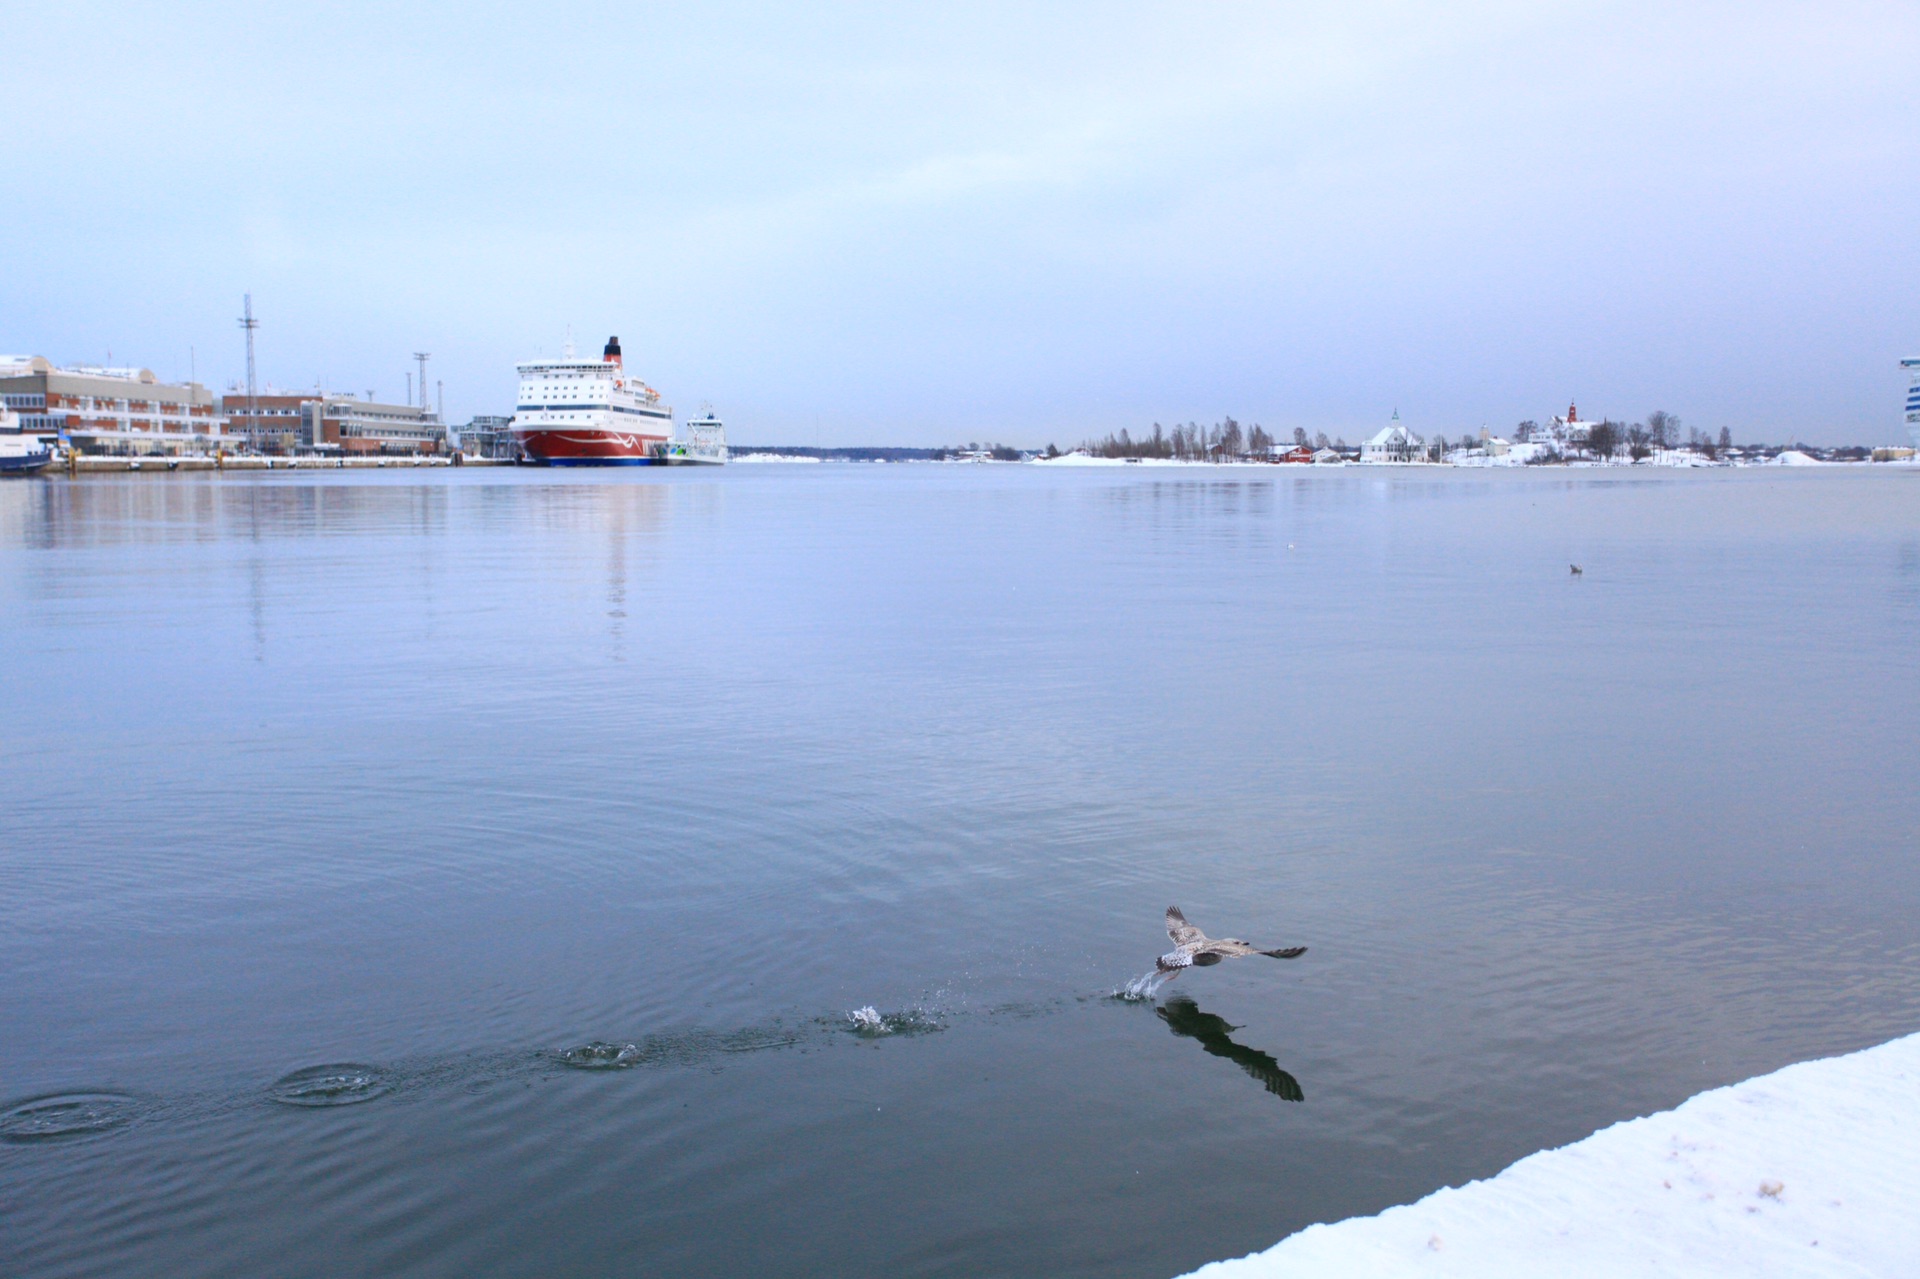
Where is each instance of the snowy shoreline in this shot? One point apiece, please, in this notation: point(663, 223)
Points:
point(1811, 1170)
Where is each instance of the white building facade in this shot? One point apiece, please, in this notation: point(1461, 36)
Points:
point(1394, 443)
point(103, 410)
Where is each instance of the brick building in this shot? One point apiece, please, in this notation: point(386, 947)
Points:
point(101, 410)
point(317, 422)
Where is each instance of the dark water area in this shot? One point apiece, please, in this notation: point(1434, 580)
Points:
point(479, 873)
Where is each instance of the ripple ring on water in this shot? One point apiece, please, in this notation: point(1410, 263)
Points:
point(338, 1084)
point(64, 1116)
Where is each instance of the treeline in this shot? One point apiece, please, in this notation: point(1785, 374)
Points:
point(1637, 440)
point(1196, 443)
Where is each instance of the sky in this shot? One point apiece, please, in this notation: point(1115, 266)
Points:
point(1029, 223)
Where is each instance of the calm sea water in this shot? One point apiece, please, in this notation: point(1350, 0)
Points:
point(432, 780)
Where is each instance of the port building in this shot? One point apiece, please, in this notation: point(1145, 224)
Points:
point(347, 424)
point(321, 422)
point(488, 437)
point(111, 410)
point(271, 422)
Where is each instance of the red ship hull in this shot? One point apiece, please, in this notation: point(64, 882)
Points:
point(590, 447)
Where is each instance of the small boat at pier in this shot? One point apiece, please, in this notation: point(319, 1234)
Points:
point(20, 453)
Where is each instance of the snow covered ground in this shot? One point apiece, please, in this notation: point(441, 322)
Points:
point(1812, 1170)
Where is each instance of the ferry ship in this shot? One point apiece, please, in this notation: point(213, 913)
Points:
point(575, 412)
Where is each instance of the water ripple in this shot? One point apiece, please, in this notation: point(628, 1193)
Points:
point(65, 1116)
point(336, 1084)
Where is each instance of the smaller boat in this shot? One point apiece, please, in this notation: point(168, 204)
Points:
point(20, 454)
point(701, 442)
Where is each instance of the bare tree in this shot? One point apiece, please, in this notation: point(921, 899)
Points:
point(1524, 432)
point(1300, 436)
point(1726, 438)
point(1603, 439)
point(1320, 441)
point(1230, 438)
point(1638, 439)
point(1663, 428)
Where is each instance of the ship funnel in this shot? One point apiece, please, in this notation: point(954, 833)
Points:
point(612, 354)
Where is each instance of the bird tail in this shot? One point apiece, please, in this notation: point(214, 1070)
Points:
point(1291, 952)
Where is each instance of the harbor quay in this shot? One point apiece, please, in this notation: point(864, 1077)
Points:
point(96, 411)
point(578, 410)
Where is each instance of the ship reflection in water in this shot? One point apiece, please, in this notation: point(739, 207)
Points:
point(1185, 1019)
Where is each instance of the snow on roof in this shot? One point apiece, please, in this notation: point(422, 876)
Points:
point(1806, 1171)
point(1393, 434)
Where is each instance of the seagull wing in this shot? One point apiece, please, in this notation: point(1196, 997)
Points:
point(1214, 950)
point(1180, 930)
point(1220, 948)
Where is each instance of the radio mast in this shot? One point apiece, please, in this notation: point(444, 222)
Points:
point(248, 323)
point(423, 357)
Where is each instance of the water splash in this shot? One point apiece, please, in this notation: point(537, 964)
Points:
point(871, 1023)
point(339, 1084)
point(1143, 987)
point(65, 1116)
point(600, 1055)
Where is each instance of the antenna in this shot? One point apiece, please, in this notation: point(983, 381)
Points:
point(422, 357)
point(248, 323)
point(441, 388)
point(409, 388)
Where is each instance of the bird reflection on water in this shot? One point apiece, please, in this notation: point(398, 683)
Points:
point(1186, 1020)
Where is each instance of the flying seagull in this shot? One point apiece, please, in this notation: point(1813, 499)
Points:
point(1192, 948)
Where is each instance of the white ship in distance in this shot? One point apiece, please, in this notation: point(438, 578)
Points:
point(700, 442)
point(1912, 366)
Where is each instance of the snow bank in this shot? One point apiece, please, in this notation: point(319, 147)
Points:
point(1812, 1170)
point(1083, 459)
point(1794, 457)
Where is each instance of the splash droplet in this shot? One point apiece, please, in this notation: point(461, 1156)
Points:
point(871, 1023)
point(1142, 988)
point(601, 1056)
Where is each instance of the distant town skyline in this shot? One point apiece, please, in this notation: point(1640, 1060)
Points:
point(860, 225)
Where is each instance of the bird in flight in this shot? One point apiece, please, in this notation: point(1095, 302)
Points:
point(1194, 949)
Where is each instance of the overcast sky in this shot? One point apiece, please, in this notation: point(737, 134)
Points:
point(927, 224)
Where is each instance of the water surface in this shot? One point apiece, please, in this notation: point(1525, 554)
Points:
point(476, 873)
